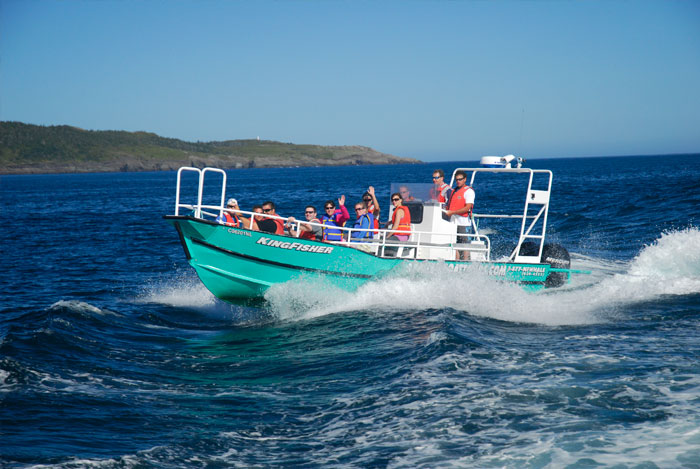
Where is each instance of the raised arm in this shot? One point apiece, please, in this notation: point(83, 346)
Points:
point(370, 190)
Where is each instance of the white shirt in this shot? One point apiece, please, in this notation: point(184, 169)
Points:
point(469, 196)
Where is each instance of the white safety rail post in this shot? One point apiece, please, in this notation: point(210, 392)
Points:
point(177, 192)
point(534, 197)
point(201, 190)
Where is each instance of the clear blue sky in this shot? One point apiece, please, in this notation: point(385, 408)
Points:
point(433, 80)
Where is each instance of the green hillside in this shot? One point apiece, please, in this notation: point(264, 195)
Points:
point(26, 148)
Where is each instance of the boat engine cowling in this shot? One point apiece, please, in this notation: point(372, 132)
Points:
point(558, 257)
point(555, 255)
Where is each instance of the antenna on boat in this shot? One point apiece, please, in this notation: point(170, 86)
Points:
point(522, 124)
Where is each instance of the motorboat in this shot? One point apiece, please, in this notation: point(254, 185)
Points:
point(237, 263)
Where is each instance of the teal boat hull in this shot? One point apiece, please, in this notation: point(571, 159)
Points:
point(237, 264)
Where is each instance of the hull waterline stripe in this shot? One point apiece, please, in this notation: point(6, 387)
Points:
point(279, 264)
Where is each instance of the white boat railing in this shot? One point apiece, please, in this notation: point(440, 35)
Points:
point(420, 244)
point(201, 173)
point(379, 244)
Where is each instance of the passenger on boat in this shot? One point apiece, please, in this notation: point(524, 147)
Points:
point(406, 194)
point(307, 231)
point(228, 217)
point(441, 190)
point(270, 225)
point(250, 223)
point(333, 219)
point(400, 224)
point(256, 218)
point(364, 224)
point(459, 209)
point(370, 200)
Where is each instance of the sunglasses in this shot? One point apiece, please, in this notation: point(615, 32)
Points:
point(267, 210)
point(357, 209)
point(395, 199)
point(460, 179)
point(329, 208)
point(367, 198)
point(437, 177)
point(309, 211)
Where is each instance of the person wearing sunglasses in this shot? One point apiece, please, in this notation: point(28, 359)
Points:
point(459, 209)
point(441, 190)
point(232, 217)
point(363, 224)
point(270, 225)
point(400, 220)
point(229, 217)
point(333, 219)
point(307, 231)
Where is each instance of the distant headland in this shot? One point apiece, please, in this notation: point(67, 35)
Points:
point(34, 149)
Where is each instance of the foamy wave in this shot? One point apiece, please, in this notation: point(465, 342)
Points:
point(80, 307)
point(425, 286)
point(185, 290)
point(4, 374)
point(670, 266)
point(671, 263)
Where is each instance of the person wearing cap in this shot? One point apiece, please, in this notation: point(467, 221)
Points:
point(245, 222)
point(228, 216)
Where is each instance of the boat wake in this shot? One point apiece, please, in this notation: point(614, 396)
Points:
point(669, 266)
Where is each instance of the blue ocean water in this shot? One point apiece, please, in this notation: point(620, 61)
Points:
point(112, 353)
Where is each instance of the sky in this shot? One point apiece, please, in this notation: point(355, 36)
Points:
point(433, 80)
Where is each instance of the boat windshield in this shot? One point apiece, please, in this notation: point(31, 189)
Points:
point(414, 191)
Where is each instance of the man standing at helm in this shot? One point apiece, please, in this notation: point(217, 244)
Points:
point(441, 190)
point(459, 209)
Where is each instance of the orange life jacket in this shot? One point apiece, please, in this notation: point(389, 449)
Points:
point(231, 219)
point(371, 209)
point(438, 194)
point(309, 234)
point(405, 226)
point(457, 201)
point(280, 226)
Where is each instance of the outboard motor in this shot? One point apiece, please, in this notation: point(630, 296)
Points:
point(558, 257)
